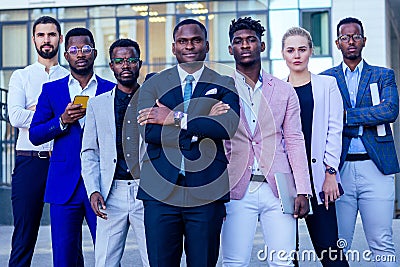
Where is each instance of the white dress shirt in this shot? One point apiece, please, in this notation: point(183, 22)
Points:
point(76, 89)
point(250, 99)
point(24, 89)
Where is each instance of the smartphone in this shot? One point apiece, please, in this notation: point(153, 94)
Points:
point(81, 99)
point(322, 194)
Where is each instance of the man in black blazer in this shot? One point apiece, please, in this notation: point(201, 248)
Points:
point(185, 112)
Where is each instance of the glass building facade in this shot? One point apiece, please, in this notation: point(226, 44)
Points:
point(151, 25)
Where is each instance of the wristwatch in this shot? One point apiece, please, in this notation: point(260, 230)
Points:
point(330, 170)
point(178, 115)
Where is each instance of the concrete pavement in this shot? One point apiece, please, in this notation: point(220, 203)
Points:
point(43, 256)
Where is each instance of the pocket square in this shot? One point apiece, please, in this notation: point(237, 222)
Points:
point(211, 91)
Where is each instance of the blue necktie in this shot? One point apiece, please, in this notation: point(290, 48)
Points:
point(187, 94)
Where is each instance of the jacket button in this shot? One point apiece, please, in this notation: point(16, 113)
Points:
point(115, 160)
point(313, 160)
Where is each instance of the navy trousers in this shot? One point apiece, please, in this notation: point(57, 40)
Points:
point(27, 193)
point(168, 228)
point(66, 228)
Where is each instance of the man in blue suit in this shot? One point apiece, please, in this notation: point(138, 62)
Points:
point(368, 160)
point(184, 181)
point(58, 118)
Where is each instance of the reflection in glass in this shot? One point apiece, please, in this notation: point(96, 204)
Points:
point(72, 13)
point(317, 23)
point(10, 15)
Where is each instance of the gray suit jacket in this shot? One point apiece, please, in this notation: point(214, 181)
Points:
point(99, 152)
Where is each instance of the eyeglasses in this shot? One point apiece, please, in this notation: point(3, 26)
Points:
point(130, 61)
point(86, 50)
point(345, 38)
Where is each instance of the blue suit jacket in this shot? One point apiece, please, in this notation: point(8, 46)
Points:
point(381, 149)
point(205, 165)
point(65, 165)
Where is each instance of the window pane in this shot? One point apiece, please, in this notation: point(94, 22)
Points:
point(279, 23)
point(244, 5)
point(36, 13)
point(104, 35)
point(220, 36)
point(222, 6)
point(317, 23)
point(192, 8)
point(315, 3)
point(102, 11)
point(160, 42)
point(72, 13)
point(279, 4)
point(11, 15)
point(135, 29)
point(5, 76)
point(14, 46)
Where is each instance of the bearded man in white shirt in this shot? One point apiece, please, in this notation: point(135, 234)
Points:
point(32, 162)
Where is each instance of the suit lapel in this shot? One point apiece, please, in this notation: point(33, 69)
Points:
point(109, 111)
point(341, 80)
point(364, 82)
point(174, 83)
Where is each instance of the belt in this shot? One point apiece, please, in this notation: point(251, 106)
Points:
point(357, 157)
point(257, 178)
point(39, 154)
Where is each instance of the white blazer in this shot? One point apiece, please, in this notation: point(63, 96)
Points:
point(99, 151)
point(327, 126)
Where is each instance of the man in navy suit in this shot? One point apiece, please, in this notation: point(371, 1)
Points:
point(185, 112)
point(57, 118)
point(368, 160)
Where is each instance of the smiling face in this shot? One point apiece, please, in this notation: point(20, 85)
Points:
point(351, 50)
point(81, 63)
point(126, 73)
point(297, 52)
point(246, 48)
point(47, 40)
point(190, 44)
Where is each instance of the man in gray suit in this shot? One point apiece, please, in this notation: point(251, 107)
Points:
point(111, 153)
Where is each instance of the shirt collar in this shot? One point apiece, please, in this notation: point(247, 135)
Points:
point(359, 67)
point(243, 79)
point(196, 75)
point(43, 67)
point(72, 80)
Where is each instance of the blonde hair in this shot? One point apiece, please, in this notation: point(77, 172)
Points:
point(297, 31)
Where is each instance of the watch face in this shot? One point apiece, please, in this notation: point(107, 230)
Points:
point(331, 171)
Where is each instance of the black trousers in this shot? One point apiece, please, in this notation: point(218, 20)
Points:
point(323, 230)
point(27, 193)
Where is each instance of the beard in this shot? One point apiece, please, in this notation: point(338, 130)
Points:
point(128, 82)
point(84, 71)
point(47, 54)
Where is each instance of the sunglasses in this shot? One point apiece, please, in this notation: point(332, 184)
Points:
point(130, 61)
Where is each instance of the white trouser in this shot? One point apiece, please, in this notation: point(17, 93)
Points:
point(369, 191)
point(239, 228)
point(123, 209)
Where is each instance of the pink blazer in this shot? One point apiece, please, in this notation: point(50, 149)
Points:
point(277, 142)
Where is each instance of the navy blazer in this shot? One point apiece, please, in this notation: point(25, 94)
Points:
point(206, 173)
point(65, 165)
point(381, 149)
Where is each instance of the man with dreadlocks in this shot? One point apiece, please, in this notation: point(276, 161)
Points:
point(270, 137)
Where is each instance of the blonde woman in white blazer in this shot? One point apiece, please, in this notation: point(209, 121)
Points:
point(322, 123)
